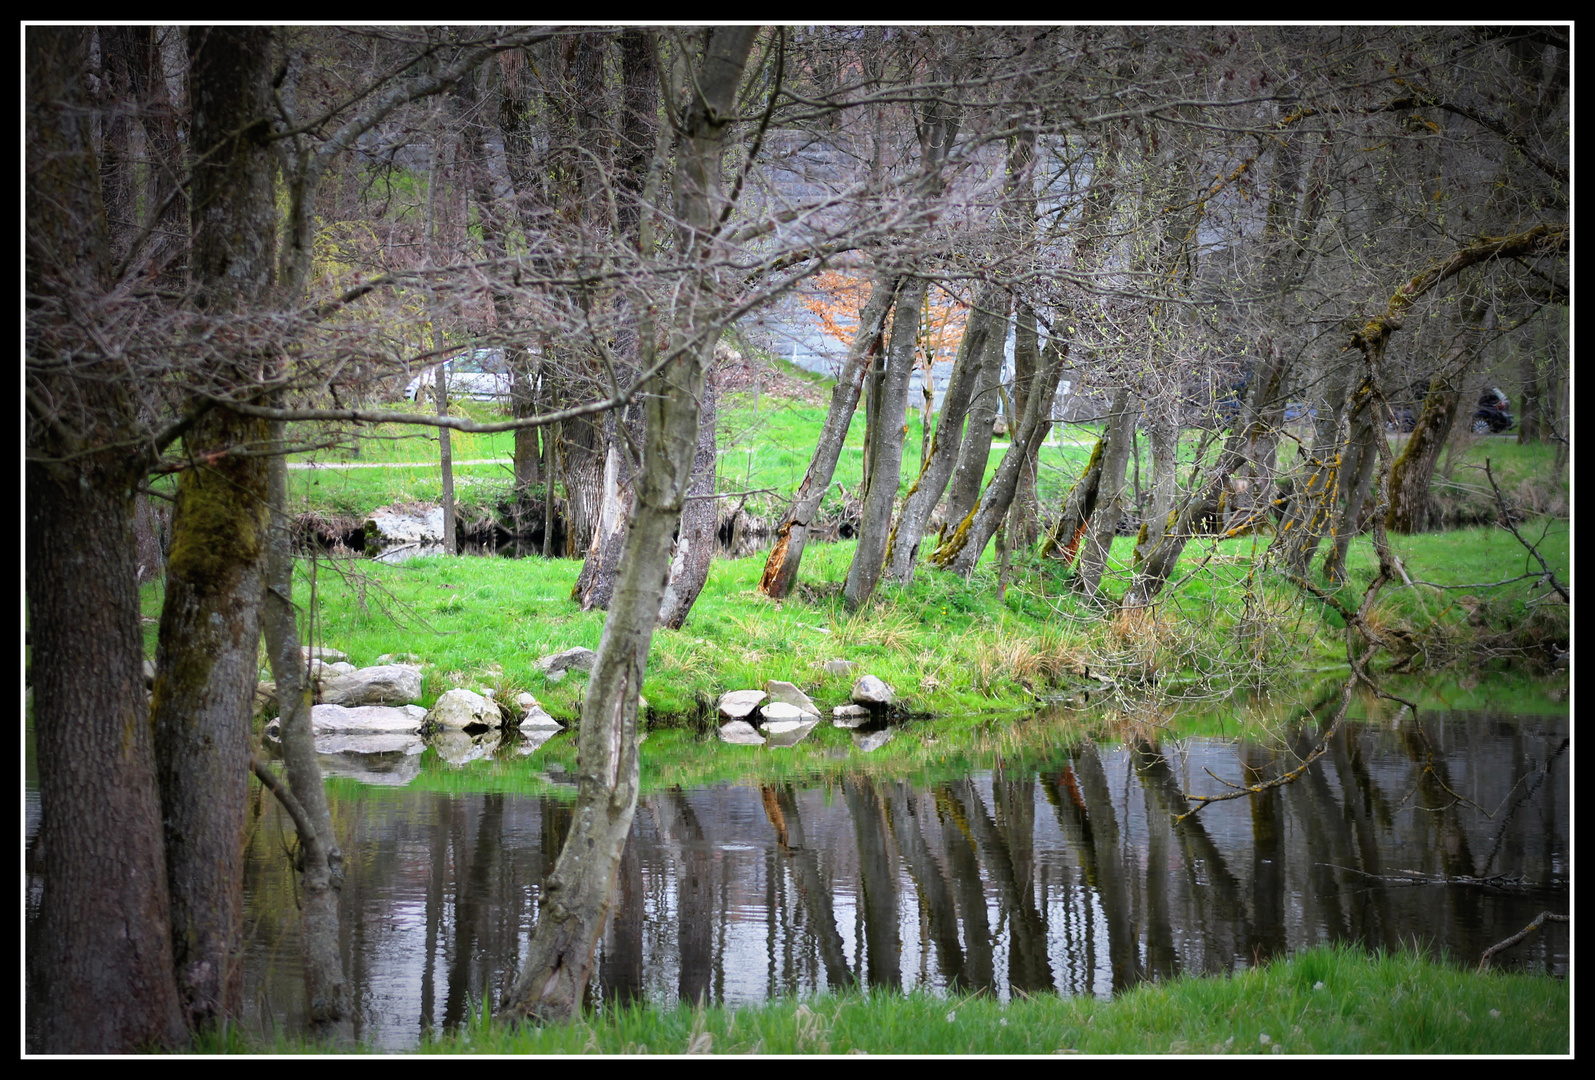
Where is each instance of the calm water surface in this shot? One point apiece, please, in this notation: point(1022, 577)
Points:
point(1068, 875)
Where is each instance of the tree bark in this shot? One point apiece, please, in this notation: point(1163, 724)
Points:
point(577, 893)
point(1163, 432)
point(890, 429)
point(100, 955)
point(968, 540)
point(1312, 502)
point(902, 548)
point(696, 537)
point(209, 641)
point(969, 476)
point(1119, 437)
point(781, 568)
point(1362, 452)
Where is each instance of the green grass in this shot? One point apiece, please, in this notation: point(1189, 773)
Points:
point(1327, 1000)
point(948, 645)
point(1229, 624)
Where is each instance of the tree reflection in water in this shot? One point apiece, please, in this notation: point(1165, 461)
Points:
point(1068, 875)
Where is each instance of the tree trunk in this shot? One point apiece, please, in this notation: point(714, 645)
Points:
point(969, 476)
point(1312, 503)
point(320, 860)
point(577, 893)
point(890, 429)
point(445, 455)
point(695, 536)
point(209, 643)
point(902, 548)
point(206, 671)
point(100, 954)
point(1163, 432)
point(968, 540)
point(1414, 466)
point(1362, 452)
point(781, 568)
point(1115, 457)
point(1024, 515)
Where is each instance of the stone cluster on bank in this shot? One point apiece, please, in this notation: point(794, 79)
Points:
point(783, 715)
point(373, 710)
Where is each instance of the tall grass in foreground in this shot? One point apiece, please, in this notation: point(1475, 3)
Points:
point(1328, 1000)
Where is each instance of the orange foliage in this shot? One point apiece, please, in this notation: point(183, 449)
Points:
point(838, 297)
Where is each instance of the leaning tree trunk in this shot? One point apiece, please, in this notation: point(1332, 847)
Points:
point(578, 893)
point(1414, 467)
point(781, 568)
point(320, 862)
point(880, 496)
point(1120, 437)
point(902, 548)
point(969, 538)
point(1355, 478)
point(969, 476)
point(1063, 542)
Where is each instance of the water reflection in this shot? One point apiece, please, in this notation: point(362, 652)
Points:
point(1067, 875)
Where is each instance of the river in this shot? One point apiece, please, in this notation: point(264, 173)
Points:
point(1063, 872)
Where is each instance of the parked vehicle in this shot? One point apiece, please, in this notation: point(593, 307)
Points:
point(1494, 414)
point(1402, 418)
point(481, 374)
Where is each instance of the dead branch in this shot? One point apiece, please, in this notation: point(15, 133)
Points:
point(1539, 920)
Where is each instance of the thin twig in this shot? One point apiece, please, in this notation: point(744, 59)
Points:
point(1533, 549)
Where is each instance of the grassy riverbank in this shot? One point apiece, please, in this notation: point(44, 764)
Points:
point(948, 645)
point(1327, 1000)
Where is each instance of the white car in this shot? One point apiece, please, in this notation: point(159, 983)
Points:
point(480, 374)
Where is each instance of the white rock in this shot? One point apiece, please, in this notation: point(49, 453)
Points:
point(460, 708)
point(538, 720)
point(368, 719)
point(779, 712)
point(869, 690)
point(386, 684)
point(737, 704)
point(789, 693)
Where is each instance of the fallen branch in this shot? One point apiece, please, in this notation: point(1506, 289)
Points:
point(1417, 877)
point(1539, 920)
